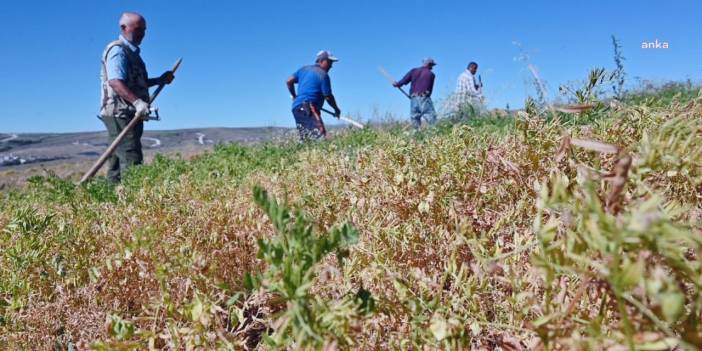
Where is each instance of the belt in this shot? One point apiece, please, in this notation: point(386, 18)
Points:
point(307, 107)
point(424, 94)
point(308, 104)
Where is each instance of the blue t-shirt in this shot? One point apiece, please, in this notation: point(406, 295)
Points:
point(313, 85)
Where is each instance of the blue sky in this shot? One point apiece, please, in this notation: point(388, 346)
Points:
point(237, 55)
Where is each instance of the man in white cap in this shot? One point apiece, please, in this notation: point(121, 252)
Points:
point(422, 79)
point(125, 92)
point(313, 88)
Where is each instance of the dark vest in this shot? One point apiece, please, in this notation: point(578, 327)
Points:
point(137, 81)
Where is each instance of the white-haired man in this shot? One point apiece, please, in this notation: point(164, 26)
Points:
point(125, 92)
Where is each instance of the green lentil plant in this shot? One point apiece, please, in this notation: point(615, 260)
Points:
point(307, 322)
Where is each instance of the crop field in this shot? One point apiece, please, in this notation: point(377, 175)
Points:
point(543, 230)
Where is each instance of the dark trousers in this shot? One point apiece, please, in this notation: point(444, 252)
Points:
point(128, 152)
point(307, 124)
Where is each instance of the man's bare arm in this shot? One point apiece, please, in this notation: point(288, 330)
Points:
point(123, 91)
point(166, 78)
point(141, 106)
point(332, 102)
point(291, 87)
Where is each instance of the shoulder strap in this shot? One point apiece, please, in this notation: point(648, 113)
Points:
point(112, 45)
point(103, 63)
point(107, 51)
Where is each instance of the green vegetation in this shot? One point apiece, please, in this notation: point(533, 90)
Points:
point(662, 95)
point(475, 234)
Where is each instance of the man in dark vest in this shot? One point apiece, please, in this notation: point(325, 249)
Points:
point(125, 92)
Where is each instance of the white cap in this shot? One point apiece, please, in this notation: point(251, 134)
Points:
point(429, 61)
point(326, 55)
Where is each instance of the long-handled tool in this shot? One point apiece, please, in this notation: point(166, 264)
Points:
point(392, 81)
point(346, 119)
point(316, 115)
point(123, 134)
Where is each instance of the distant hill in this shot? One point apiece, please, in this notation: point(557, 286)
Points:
point(69, 155)
point(21, 149)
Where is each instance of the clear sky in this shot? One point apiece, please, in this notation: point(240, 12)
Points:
point(238, 54)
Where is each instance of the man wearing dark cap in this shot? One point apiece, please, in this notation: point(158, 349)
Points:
point(422, 79)
point(313, 88)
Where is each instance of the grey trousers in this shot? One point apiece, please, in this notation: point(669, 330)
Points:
point(422, 106)
point(128, 152)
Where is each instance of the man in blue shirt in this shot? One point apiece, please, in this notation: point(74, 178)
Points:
point(313, 88)
point(125, 92)
point(422, 79)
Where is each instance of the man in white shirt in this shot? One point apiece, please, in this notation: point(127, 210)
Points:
point(468, 98)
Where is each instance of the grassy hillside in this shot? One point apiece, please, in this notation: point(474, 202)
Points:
point(493, 232)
